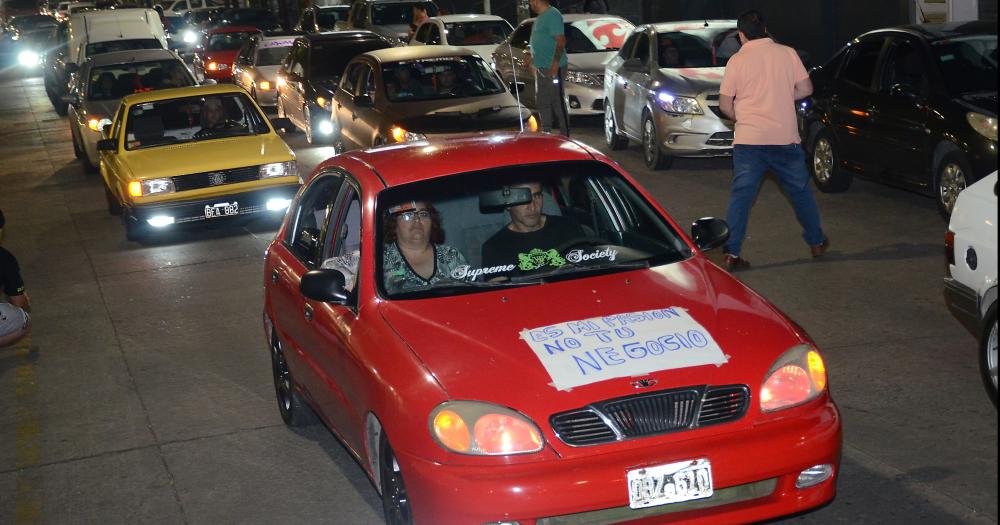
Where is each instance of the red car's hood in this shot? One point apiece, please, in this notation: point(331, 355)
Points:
point(473, 343)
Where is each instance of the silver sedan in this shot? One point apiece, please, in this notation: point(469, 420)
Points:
point(256, 66)
point(662, 89)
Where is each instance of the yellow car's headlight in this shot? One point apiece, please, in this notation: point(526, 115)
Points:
point(147, 187)
point(279, 169)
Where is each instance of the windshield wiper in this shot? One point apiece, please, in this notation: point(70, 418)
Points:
point(462, 286)
point(572, 268)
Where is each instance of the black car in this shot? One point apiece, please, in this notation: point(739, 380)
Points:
point(309, 76)
point(912, 106)
point(259, 18)
point(316, 19)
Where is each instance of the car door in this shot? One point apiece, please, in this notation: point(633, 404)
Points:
point(899, 131)
point(853, 102)
point(243, 64)
point(636, 86)
point(343, 108)
point(295, 84)
point(368, 119)
point(329, 332)
point(112, 170)
point(614, 82)
point(298, 253)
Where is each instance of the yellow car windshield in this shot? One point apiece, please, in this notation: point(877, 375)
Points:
point(192, 119)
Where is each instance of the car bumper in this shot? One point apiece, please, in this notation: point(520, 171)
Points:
point(982, 154)
point(219, 75)
point(752, 483)
point(250, 202)
point(963, 302)
point(267, 98)
point(694, 135)
point(584, 100)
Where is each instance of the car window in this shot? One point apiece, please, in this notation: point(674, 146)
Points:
point(522, 36)
point(116, 128)
point(434, 35)
point(629, 46)
point(342, 239)
point(860, 67)
point(304, 238)
point(192, 119)
point(968, 64)
point(596, 35)
point(906, 66)
point(326, 19)
point(421, 34)
point(307, 21)
point(227, 41)
point(117, 80)
point(695, 47)
point(642, 49)
point(437, 78)
point(111, 46)
point(350, 79)
point(593, 220)
point(484, 33)
point(272, 53)
point(298, 57)
point(399, 13)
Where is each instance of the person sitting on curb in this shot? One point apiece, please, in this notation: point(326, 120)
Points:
point(14, 320)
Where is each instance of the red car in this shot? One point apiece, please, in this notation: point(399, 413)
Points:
point(507, 329)
point(219, 49)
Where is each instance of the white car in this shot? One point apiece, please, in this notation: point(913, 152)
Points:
point(256, 67)
point(480, 33)
point(971, 291)
point(591, 41)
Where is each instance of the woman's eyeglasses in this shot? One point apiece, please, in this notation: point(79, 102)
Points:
point(409, 216)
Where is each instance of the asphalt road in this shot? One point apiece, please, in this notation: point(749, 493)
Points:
point(145, 395)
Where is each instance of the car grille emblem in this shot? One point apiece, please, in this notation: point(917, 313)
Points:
point(215, 179)
point(644, 383)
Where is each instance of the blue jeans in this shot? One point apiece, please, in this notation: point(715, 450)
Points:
point(750, 162)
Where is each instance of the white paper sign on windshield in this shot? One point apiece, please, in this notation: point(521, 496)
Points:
point(577, 353)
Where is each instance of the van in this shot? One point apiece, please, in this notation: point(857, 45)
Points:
point(96, 32)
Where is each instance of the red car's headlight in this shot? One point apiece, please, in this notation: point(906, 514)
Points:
point(483, 429)
point(798, 376)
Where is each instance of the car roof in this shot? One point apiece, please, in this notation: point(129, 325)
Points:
point(359, 35)
point(232, 29)
point(341, 7)
point(578, 17)
point(466, 18)
point(193, 91)
point(940, 31)
point(396, 54)
point(395, 164)
point(136, 55)
point(276, 38)
point(690, 24)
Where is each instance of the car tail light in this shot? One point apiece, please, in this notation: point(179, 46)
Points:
point(264, 85)
point(949, 247)
point(213, 66)
point(798, 376)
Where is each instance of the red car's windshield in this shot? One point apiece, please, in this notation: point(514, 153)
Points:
point(517, 226)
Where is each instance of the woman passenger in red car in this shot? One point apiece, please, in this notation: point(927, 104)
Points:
point(414, 255)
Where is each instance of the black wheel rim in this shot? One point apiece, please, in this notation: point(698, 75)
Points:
point(397, 503)
point(282, 380)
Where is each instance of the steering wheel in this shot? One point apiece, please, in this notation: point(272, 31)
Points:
point(207, 132)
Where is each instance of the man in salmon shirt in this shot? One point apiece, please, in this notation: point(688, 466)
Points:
point(761, 84)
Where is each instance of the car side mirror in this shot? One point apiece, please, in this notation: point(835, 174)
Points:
point(324, 285)
point(904, 92)
point(107, 145)
point(364, 101)
point(634, 65)
point(281, 123)
point(709, 233)
point(517, 87)
point(106, 130)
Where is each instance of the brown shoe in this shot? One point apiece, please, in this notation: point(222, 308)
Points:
point(820, 249)
point(735, 263)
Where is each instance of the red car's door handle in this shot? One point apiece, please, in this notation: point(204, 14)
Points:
point(274, 276)
point(309, 312)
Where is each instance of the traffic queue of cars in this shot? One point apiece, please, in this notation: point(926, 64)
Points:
point(610, 359)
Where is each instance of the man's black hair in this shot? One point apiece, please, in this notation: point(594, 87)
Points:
point(751, 24)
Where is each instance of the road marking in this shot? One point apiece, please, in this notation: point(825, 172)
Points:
point(27, 430)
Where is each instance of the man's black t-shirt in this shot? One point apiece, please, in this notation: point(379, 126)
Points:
point(531, 251)
point(10, 274)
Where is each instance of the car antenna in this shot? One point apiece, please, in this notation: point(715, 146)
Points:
point(517, 92)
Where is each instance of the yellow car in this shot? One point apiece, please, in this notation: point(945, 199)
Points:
point(194, 154)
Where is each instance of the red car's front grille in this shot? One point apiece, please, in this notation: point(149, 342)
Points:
point(650, 414)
